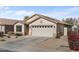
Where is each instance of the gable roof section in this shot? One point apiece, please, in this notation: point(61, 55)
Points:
point(45, 17)
point(4, 21)
point(20, 21)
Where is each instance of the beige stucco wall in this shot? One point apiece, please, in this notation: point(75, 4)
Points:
point(44, 22)
point(22, 28)
point(31, 19)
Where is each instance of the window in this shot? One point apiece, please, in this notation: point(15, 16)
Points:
point(19, 28)
point(51, 26)
point(32, 26)
point(48, 26)
point(54, 26)
point(35, 26)
point(42, 26)
point(45, 26)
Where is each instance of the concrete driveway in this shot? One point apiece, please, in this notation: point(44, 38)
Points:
point(35, 44)
point(24, 43)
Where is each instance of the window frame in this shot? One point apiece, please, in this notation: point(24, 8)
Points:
point(20, 28)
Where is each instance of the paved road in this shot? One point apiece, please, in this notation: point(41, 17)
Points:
point(24, 43)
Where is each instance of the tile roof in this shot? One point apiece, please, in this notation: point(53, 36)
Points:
point(4, 21)
point(49, 19)
point(19, 21)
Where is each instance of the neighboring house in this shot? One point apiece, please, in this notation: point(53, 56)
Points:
point(40, 25)
point(7, 25)
point(19, 28)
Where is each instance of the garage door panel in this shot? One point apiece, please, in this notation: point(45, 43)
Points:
point(42, 31)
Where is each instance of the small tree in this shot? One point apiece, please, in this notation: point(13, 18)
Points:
point(25, 18)
point(72, 21)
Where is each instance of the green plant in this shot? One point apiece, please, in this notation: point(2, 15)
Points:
point(8, 36)
point(2, 40)
point(1, 34)
point(18, 34)
point(10, 33)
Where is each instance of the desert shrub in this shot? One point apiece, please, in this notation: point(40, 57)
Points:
point(2, 40)
point(10, 33)
point(8, 36)
point(18, 34)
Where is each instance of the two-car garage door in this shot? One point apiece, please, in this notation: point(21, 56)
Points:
point(46, 31)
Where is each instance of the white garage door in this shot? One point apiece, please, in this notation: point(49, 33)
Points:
point(46, 31)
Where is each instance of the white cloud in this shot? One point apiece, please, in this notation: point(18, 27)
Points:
point(6, 13)
point(19, 14)
point(4, 7)
point(73, 10)
point(58, 13)
point(69, 12)
point(23, 12)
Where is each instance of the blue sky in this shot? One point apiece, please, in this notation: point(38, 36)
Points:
point(58, 12)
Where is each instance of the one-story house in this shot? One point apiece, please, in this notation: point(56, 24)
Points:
point(36, 25)
point(7, 25)
point(40, 25)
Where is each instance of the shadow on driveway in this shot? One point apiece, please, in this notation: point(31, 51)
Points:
point(2, 50)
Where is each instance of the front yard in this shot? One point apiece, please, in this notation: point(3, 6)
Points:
point(35, 44)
